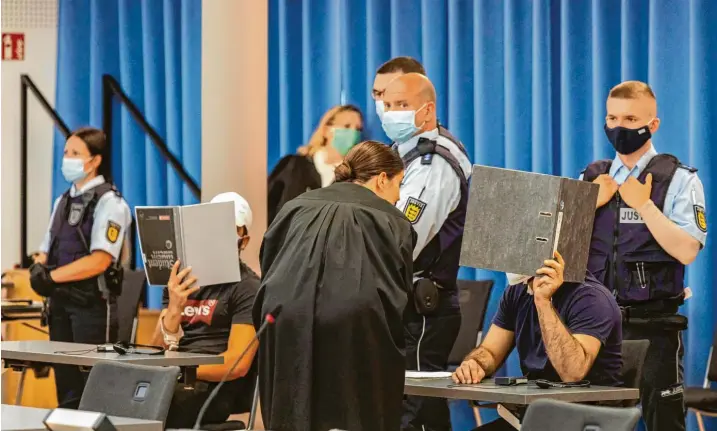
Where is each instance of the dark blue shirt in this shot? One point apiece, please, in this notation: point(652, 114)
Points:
point(586, 308)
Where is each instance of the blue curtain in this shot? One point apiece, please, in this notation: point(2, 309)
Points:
point(153, 48)
point(523, 84)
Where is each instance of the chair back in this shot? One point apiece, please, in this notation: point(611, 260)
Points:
point(130, 390)
point(712, 362)
point(473, 296)
point(634, 353)
point(128, 303)
point(546, 414)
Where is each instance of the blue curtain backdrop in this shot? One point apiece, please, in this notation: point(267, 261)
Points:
point(523, 84)
point(153, 48)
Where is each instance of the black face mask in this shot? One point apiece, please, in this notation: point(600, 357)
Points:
point(627, 141)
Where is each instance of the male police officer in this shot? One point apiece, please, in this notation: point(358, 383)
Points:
point(650, 223)
point(391, 70)
point(434, 195)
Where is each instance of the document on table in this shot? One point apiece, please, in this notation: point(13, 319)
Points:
point(428, 374)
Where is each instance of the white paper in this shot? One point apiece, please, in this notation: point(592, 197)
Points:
point(428, 374)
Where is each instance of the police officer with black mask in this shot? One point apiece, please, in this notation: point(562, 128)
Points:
point(650, 223)
point(78, 267)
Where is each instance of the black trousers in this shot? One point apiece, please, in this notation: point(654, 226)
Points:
point(233, 397)
point(661, 389)
point(499, 424)
point(428, 344)
point(78, 324)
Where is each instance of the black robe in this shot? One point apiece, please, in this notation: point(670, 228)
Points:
point(292, 176)
point(339, 260)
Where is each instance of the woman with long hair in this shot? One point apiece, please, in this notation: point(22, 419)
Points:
point(313, 165)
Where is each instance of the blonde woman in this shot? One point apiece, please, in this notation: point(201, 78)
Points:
point(313, 167)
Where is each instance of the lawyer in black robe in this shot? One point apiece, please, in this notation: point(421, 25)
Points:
point(339, 260)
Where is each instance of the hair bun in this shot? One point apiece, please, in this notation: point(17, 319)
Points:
point(343, 172)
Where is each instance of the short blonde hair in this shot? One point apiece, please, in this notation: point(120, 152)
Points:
point(632, 90)
point(317, 141)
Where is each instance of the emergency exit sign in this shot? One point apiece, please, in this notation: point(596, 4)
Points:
point(13, 46)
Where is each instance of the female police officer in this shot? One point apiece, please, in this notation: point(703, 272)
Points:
point(77, 267)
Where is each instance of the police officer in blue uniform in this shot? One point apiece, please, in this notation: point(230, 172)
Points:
point(434, 196)
point(78, 267)
point(650, 223)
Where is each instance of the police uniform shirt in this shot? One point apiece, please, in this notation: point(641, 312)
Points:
point(685, 200)
point(112, 217)
point(429, 193)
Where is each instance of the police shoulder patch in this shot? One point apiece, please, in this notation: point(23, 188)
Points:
point(113, 231)
point(414, 210)
point(700, 218)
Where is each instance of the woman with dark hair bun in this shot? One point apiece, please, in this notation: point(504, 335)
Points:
point(339, 261)
point(78, 268)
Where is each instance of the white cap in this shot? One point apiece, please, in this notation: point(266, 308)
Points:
point(242, 211)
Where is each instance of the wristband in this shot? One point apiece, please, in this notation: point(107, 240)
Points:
point(171, 340)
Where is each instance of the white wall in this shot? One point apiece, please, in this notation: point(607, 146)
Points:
point(38, 20)
point(235, 71)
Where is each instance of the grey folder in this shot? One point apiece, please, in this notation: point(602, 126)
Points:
point(202, 236)
point(516, 219)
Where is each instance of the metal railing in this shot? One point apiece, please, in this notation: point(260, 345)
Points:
point(112, 88)
point(26, 86)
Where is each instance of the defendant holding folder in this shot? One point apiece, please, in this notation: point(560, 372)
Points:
point(565, 324)
point(213, 320)
point(563, 332)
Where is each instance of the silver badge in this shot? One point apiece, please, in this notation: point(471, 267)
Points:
point(75, 214)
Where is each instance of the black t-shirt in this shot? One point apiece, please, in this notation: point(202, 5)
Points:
point(209, 314)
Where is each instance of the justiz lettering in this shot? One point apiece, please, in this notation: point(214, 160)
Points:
point(630, 216)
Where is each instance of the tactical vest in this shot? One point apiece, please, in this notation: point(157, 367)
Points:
point(624, 255)
point(439, 259)
point(70, 240)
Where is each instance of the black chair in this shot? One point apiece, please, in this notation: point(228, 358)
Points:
point(128, 304)
point(634, 353)
point(473, 297)
point(546, 414)
point(703, 401)
point(129, 390)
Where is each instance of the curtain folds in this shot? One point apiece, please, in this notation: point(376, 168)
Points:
point(521, 82)
point(153, 48)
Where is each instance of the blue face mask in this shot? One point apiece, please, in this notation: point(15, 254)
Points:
point(73, 169)
point(344, 139)
point(379, 109)
point(400, 126)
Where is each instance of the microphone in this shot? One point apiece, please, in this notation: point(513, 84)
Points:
point(268, 320)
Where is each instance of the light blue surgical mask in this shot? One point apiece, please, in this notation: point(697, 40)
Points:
point(400, 126)
point(379, 109)
point(73, 169)
point(344, 139)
